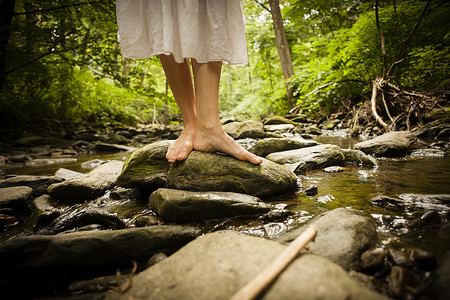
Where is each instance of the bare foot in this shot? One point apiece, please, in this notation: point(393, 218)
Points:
point(219, 140)
point(181, 148)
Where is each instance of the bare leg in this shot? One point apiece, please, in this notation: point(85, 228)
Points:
point(180, 82)
point(210, 136)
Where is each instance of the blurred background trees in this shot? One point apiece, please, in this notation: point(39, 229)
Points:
point(60, 62)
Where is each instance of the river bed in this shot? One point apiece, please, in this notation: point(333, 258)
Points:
point(353, 187)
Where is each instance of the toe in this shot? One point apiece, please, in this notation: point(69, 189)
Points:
point(171, 155)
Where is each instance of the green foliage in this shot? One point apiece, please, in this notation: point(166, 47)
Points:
point(64, 63)
point(351, 57)
point(64, 66)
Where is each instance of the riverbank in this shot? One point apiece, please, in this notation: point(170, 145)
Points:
point(389, 211)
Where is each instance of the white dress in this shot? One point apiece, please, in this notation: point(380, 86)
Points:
point(207, 30)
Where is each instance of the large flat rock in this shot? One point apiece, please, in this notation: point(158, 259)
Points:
point(92, 185)
point(90, 250)
point(309, 158)
point(178, 205)
point(391, 144)
point(203, 171)
point(217, 265)
point(39, 184)
point(343, 235)
point(270, 145)
point(15, 196)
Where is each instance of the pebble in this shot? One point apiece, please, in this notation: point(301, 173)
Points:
point(312, 190)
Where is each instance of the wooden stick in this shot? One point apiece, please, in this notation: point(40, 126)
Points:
point(263, 279)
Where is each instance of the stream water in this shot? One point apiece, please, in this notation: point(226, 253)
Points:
point(354, 187)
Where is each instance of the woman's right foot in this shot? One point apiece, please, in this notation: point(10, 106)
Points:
point(181, 148)
point(218, 140)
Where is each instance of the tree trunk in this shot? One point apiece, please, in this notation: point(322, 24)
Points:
point(6, 13)
point(282, 46)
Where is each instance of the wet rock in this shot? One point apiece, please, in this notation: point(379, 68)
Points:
point(146, 168)
point(49, 161)
point(342, 236)
point(278, 120)
point(120, 193)
point(18, 158)
point(276, 215)
point(92, 185)
point(147, 220)
point(398, 281)
point(440, 289)
point(427, 201)
point(428, 219)
point(280, 128)
point(124, 209)
point(309, 158)
point(39, 184)
point(247, 129)
point(3, 160)
point(333, 169)
point(156, 258)
point(82, 218)
point(89, 250)
point(14, 197)
point(117, 139)
point(66, 174)
point(366, 280)
point(92, 164)
point(104, 147)
point(374, 260)
point(237, 259)
point(270, 145)
point(399, 257)
point(313, 129)
point(203, 171)
point(298, 118)
point(81, 146)
point(388, 203)
point(421, 258)
point(177, 205)
point(331, 124)
point(43, 211)
point(391, 144)
point(7, 218)
point(359, 157)
point(428, 153)
point(312, 190)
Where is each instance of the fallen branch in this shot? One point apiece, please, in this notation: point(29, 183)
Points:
point(263, 279)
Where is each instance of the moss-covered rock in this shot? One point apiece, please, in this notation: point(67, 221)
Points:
point(177, 205)
point(203, 171)
point(146, 168)
point(278, 120)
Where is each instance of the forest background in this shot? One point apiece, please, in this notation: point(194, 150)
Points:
point(60, 62)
